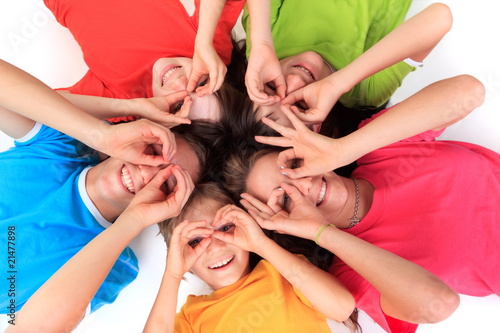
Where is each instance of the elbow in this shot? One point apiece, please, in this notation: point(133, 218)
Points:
point(442, 17)
point(442, 307)
point(343, 310)
point(472, 93)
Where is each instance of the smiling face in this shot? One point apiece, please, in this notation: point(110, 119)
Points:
point(299, 71)
point(171, 75)
point(112, 184)
point(221, 264)
point(327, 191)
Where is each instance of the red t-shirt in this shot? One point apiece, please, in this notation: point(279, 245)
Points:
point(122, 39)
point(436, 203)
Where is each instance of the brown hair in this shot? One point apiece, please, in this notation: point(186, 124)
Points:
point(203, 194)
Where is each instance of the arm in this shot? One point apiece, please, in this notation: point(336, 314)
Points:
point(408, 291)
point(325, 292)
point(205, 58)
point(125, 141)
point(180, 258)
point(157, 109)
point(435, 107)
point(74, 285)
point(414, 38)
point(263, 64)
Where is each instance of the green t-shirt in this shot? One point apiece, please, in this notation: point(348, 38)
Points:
point(340, 31)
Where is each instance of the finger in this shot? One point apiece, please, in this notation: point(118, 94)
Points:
point(275, 200)
point(256, 92)
point(280, 84)
point(274, 140)
point(283, 130)
point(263, 222)
point(293, 97)
point(184, 186)
point(219, 216)
point(224, 237)
point(176, 97)
point(295, 195)
point(194, 78)
point(160, 177)
point(202, 246)
point(185, 108)
point(296, 122)
point(256, 203)
point(309, 117)
point(169, 146)
point(284, 157)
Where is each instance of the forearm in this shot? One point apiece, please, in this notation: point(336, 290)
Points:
point(325, 292)
point(46, 106)
point(408, 291)
point(100, 107)
point(73, 286)
point(210, 12)
point(260, 21)
point(414, 38)
point(433, 108)
point(162, 315)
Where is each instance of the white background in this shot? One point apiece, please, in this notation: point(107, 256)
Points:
point(31, 39)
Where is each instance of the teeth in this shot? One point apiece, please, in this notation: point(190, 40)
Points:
point(167, 74)
point(221, 263)
point(127, 181)
point(305, 70)
point(321, 196)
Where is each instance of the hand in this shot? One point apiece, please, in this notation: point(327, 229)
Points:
point(156, 201)
point(132, 142)
point(181, 256)
point(319, 96)
point(246, 235)
point(169, 111)
point(318, 153)
point(264, 77)
point(206, 61)
point(304, 219)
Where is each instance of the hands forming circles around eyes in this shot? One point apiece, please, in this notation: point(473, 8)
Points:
point(157, 201)
point(301, 218)
point(206, 61)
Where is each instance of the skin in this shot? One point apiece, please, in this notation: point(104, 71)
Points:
point(217, 251)
point(265, 182)
point(296, 78)
point(203, 107)
point(110, 194)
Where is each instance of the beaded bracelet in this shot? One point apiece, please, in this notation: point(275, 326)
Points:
point(321, 230)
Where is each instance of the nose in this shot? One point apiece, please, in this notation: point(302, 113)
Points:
point(148, 172)
point(215, 247)
point(294, 82)
point(304, 185)
point(180, 83)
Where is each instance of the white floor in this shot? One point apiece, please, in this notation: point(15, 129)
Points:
point(31, 39)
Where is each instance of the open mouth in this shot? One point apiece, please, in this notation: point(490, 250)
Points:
point(127, 180)
point(308, 72)
point(222, 263)
point(322, 192)
point(168, 73)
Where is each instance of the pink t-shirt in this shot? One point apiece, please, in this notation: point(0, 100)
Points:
point(122, 39)
point(435, 204)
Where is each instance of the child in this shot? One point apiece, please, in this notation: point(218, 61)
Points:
point(214, 242)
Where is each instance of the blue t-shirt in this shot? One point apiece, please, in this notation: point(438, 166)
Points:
point(46, 216)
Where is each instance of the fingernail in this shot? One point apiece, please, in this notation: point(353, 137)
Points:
point(280, 189)
point(284, 174)
point(282, 167)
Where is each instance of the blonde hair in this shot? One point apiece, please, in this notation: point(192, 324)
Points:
point(202, 194)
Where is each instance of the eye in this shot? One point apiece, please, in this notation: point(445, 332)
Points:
point(301, 105)
point(194, 242)
point(178, 106)
point(286, 200)
point(202, 83)
point(227, 227)
point(270, 88)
